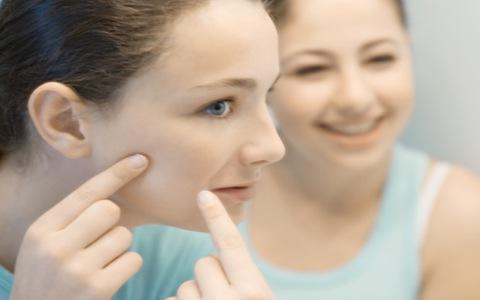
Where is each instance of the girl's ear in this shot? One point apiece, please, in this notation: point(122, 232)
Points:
point(62, 119)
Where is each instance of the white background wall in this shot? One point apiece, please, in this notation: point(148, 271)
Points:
point(446, 40)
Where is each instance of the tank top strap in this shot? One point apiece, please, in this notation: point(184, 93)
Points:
point(428, 198)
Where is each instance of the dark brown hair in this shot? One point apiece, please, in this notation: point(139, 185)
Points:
point(279, 10)
point(93, 46)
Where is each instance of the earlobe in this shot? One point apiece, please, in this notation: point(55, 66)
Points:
point(61, 119)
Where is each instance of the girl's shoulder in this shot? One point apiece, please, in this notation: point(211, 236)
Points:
point(451, 249)
point(462, 183)
point(458, 200)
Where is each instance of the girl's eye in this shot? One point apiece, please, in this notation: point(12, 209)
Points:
point(311, 70)
point(219, 109)
point(381, 59)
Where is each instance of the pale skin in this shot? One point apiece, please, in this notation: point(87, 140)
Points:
point(190, 116)
point(326, 192)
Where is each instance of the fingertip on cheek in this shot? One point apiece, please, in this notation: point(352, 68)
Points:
point(137, 161)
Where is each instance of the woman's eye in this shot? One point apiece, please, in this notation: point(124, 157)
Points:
point(381, 59)
point(311, 70)
point(219, 109)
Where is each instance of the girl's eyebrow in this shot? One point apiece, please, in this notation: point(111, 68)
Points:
point(377, 42)
point(313, 52)
point(244, 83)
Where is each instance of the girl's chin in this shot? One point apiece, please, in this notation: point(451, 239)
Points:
point(237, 214)
point(361, 159)
point(191, 220)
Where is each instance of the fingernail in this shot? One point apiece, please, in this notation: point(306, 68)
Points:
point(205, 198)
point(137, 161)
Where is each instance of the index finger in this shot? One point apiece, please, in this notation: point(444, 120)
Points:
point(232, 252)
point(100, 187)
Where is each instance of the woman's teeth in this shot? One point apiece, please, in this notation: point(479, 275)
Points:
point(352, 129)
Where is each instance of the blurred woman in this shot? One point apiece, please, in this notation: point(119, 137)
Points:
point(349, 213)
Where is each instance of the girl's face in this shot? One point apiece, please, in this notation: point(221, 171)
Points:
point(346, 90)
point(200, 114)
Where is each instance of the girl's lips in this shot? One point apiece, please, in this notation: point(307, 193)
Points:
point(237, 194)
point(350, 138)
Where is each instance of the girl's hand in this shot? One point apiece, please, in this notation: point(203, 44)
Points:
point(75, 250)
point(231, 276)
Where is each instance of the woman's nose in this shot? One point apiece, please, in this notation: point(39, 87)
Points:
point(263, 146)
point(354, 95)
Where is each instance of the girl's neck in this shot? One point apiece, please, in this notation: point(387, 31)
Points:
point(325, 185)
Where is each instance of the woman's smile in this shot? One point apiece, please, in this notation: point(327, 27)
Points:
point(359, 134)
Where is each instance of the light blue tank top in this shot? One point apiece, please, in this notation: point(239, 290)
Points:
point(169, 255)
point(387, 267)
point(6, 282)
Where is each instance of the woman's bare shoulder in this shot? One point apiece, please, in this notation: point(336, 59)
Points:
point(451, 252)
point(457, 209)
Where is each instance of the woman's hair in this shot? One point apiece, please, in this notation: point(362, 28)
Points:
point(280, 11)
point(92, 46)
